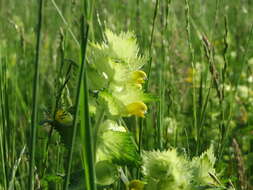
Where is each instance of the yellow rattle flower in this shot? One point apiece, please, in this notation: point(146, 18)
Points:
point(137, 108)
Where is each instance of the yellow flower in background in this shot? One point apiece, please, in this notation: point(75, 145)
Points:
point(190, 74)
point(137, 108)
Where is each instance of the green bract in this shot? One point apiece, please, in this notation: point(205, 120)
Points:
point(202, 167)
point(116, 145)
point(166, 170)
point(106, 173)
point(114, 70)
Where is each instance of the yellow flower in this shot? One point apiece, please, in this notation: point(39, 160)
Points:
point(137, 108)
point(136, 185)
point(63, 117)
point(139, 77)
point(190, 74)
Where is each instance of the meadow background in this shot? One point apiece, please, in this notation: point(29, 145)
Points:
point(200, 58)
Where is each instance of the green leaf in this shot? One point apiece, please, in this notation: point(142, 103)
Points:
point(123, 47)
point(96, 80)
point(100, 60)
point(106, 173)
point(113, 105)
point(116, 145)
point(202, 166)
point(50, 179)
point(65, 131)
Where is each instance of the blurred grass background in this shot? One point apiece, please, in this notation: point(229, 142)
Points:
point(201, 70)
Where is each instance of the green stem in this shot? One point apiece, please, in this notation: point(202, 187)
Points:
point(192, 58)
point(35, 99)
point(88, 149)
point(96, 129)
point(2, 139)
point(151, 42)
point(75, 121)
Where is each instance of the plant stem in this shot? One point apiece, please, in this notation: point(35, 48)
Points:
point(88, 150)
point(192, 58)
point(75, 121)
point(35, 99)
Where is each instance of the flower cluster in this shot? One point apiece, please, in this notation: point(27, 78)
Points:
point(167, 170)
point(114, 70)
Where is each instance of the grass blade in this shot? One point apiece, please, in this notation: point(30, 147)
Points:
point(35, 98)
point(88, 153)
point(81, 74)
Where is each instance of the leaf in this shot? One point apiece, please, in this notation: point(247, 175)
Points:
point(77, 180)
point(50, 179)
point(123, 47)
point(202, 166)
point(117, 146)
point(114, 106)
point(106, 173)
point(100, 60)
point(96, 80)
point(65, 132)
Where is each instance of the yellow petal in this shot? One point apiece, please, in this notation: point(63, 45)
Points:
point(137, 108)
point(139, 76)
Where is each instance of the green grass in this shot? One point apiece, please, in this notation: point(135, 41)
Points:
point(199, 68)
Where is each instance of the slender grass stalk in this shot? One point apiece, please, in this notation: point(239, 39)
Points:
point(60, 88)
point(149, 68)
point(192, 59)
point(138, 21)
point(65, 22)
point(2, 124)
point(15, 168)
point(96, 129)
point(88, 8)
point(88, 149)
point(216, 16)
point(5, 130)
point(140, 135)
point(151, 41)
point(141, 121)
point(35, 98)
point(245, 56)
point(223, 77)
point(78, 95)
point(86, 131)
point(3, 162)
point(161, 76)
point(237, 82)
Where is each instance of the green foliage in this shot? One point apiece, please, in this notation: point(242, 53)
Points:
point(50, 179)
point(202, 167)
point(106, 173)
point(116, 145)
point(167, 170)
